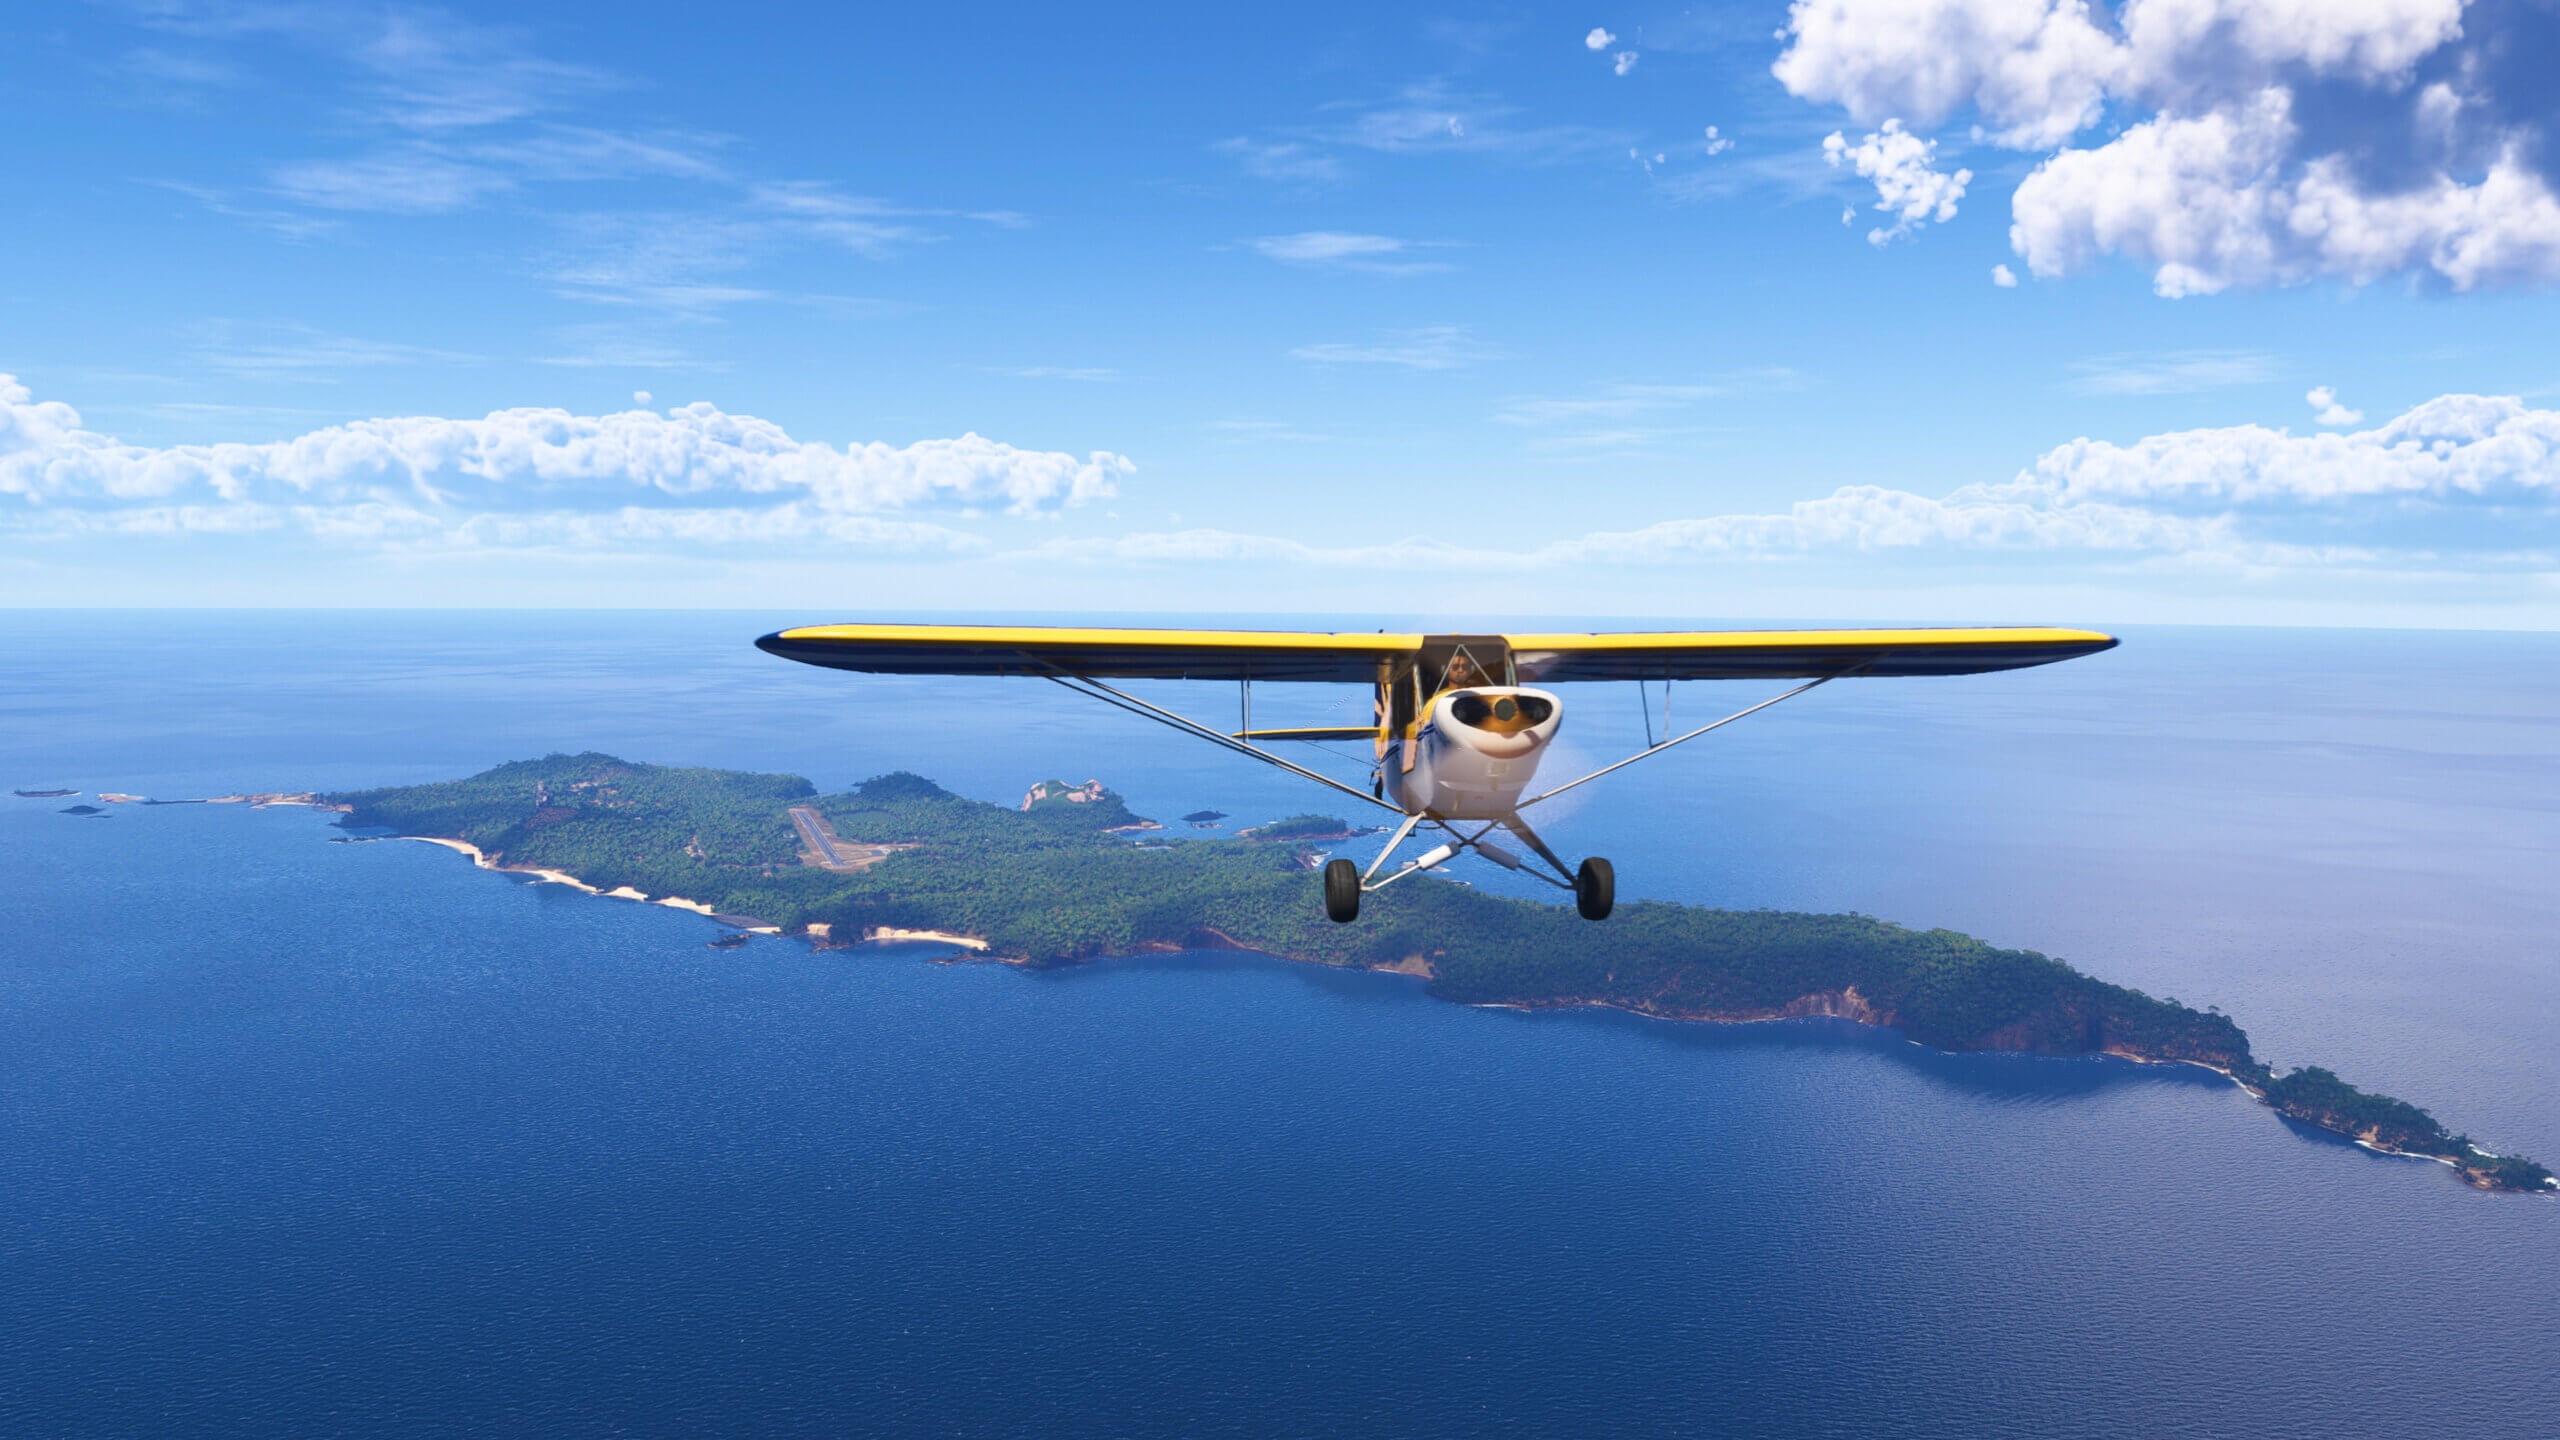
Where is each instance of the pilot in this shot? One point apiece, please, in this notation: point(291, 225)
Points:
point(1461, 674)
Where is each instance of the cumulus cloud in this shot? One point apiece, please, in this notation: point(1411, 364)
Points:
point(2037, 68)
point(1717, 141)
point(1908, 187)
point(2472, 476)
point(2004, 277)
point(1598, 39)
point(2465, 483)
point(2324, 401)
point(694, 473)
point(1623, 62)
point(2253, 142)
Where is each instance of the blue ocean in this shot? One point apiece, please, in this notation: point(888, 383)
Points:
point(313, 1139)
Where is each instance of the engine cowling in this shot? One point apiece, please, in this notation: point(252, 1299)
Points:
point(1481, 747)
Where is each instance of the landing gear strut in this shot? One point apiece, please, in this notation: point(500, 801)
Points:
point(1594, 886)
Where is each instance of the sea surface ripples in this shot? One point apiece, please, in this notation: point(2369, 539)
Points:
point(315, 1139)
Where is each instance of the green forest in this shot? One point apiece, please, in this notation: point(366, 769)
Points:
point(1303, 827)
point(1054, 885)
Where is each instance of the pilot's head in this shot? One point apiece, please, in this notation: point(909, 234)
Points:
point(1462, 670)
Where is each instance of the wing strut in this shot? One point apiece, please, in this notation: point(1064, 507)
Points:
point(1087, 685)
point(1667, 744)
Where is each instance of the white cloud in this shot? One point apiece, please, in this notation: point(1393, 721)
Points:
point(2004, 277)
point(293, 225)
point(2463, 483)
point(694, 472)
point(2219, 200)
point(1717, 142)
point(1286, 161)
point(608, 347)
point(2258, 142)
point(272, 352)
point(2370, 40)
point(1598, 39)
point(1623, 62)
point(158, 70)
point(410, 180)
point(1433, 347)
point(868, 227)
point(419, 67)
point(1907, 187)
point(1210, 547)
point(1622, 401)
point(2173, 372)
point(2452, 451)
point(440, 175)
point(1872, 518)
point(2037, 68)
point(430, 113)
point(1344, 250)
point(2324, 401)
point(1432, 118)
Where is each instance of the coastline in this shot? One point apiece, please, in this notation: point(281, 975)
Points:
point(1849, 1005)
point(938, 937)
point(2310, 1096)
point(1844, 1004)
point(816, 933)
point(481, 860)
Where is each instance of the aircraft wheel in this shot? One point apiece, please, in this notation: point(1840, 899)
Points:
point(1341, 891)
point(1595, 889)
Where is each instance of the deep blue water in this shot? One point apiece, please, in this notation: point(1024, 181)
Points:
point(314, 1139)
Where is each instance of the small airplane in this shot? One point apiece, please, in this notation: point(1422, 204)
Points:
point(1457, 726)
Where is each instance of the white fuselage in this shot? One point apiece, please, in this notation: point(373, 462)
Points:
point(1475, 752)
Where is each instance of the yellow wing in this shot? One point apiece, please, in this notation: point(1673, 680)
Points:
point(1793, 654)
point(1357, 657)
point(1101, 654)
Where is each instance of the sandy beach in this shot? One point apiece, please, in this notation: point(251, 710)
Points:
point(556, 877)
point(939, 937)
point(678, 902)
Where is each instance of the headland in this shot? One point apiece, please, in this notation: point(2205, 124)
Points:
point(1053, 884)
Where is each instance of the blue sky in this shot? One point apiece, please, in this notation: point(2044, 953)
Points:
point(2176, 310)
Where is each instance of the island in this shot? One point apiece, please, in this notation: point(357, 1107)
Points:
point(1306, 828)
point(1052, 883)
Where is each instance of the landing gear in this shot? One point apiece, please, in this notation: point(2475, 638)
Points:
point(1594, 886)
point(1341, 891)
point(1595, 889)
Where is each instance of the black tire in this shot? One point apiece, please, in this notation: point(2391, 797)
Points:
point(1595, 889)
point(1341, 891)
